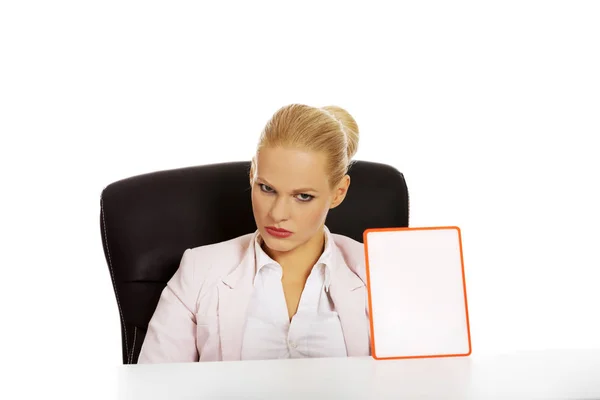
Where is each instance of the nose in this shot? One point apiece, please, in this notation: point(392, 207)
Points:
point(280, 209)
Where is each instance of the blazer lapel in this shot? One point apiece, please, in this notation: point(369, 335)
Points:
point(235, 293)
point(349, 294)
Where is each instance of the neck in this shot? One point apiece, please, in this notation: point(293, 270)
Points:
point(298, 263)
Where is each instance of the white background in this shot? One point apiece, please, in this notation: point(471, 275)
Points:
point(492, 111)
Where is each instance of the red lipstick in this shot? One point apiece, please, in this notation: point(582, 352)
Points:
point(278, 232)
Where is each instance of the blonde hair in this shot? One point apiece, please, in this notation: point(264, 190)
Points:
point(330, 130)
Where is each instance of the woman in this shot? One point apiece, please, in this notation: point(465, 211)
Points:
point(292, 288)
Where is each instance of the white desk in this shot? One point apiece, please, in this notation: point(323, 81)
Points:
point(530, 375)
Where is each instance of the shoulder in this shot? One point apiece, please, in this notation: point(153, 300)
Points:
point(231, 250)
point(353, 253)
point(352, 250)
point(208, 263)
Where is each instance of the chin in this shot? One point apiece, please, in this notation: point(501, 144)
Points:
point(280, 245)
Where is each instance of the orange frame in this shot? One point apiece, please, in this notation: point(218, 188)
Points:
point(373, 348)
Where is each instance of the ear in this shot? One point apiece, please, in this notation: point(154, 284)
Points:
point(340, 191)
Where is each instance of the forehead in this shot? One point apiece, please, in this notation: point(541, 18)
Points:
point(289, 169)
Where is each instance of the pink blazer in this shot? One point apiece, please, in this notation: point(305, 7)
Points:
point(202, 311)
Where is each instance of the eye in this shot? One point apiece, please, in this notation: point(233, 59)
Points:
point(305, 197)
point(265, 188)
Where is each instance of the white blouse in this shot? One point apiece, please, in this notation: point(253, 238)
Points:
point(315, 329)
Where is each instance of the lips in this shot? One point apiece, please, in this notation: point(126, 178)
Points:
point(278, 232)
point(274, 229)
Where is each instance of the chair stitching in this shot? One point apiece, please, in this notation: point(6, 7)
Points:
point(133, 345)
point(112, 275)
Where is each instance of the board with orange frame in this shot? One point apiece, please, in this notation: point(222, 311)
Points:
point(417, 293)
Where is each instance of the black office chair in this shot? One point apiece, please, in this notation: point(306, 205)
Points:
point(148, 221)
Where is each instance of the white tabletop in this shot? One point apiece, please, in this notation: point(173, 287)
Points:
point(571, 374)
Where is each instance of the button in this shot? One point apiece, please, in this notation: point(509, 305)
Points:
point(293, 345)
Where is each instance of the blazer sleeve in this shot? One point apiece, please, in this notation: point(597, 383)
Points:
point(171, 335)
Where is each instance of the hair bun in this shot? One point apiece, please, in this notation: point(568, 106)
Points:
point(350, 127)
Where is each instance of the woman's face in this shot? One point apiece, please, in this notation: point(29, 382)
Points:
point(291, 196)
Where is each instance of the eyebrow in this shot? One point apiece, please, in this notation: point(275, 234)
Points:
point(301, 190)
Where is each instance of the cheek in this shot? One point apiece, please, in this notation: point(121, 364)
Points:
point(258, 205)
point(314, 215)
point(261, 206)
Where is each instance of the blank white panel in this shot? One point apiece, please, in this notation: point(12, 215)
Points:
point(417, 293)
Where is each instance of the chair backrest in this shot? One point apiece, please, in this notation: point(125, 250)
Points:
point(148, 221)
